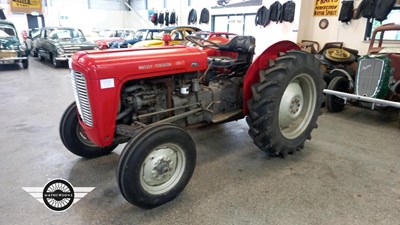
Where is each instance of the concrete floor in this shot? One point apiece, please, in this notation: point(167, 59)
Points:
point(348, 174)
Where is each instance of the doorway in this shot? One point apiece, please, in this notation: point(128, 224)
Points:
point(35, 21)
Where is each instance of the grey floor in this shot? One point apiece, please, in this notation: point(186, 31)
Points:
point(349, 173)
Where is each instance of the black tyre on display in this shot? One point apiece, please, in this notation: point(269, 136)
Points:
point(74, 138)
point(286, 103)
point(334, 103)
point(156, 165)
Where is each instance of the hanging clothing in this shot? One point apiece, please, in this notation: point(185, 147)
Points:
point(204, 16)
point(288, 10)
point(192, 18)
point(166, 18)
point(154, 18)
point(275, 11)
point(172, 17)
point(161, 18)
point(262, 16)
point(346, 11)
point(366, 9)
point(383, 8)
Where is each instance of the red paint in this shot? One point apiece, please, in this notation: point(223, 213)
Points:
point(261, 62)
point(132, 64)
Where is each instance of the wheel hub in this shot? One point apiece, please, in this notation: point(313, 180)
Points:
point(297, 106)
point(159, 166)
point(291, 104)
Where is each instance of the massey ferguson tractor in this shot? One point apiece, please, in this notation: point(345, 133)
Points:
point(148, 97)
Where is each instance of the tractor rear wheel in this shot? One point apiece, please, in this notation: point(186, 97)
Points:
point(286, 103)
point(334, 103)
point(156, 165)
point(75, 139)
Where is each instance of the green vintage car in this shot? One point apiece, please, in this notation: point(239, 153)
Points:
point(12, 50)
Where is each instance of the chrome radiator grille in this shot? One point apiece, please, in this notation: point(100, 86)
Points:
point(369, 76)
point(81, 97)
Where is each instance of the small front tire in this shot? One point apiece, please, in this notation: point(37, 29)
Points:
point(75, 139)
point(156, 165)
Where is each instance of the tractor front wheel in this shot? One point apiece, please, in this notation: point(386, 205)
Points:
point(286, 103)
point(156, 165)
point(75, 139)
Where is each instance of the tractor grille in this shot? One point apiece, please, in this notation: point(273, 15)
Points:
point(81, 97)
point(369, 76)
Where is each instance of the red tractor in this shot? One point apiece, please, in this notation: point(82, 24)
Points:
point(148, 97)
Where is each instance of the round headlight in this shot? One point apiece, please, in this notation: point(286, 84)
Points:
point(60, 51)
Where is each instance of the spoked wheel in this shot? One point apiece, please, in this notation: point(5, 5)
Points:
point(286, 103)
point(75, 139)
point(334, 103)
point(156, 165)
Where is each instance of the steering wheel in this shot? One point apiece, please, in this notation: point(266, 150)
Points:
point(200, 41)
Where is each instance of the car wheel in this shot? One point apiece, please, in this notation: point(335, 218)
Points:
point(41, 58)
point(334, 103)
point(156, 165)
point(25, 63)
point(34, 52)
point(55, 62)
point(286, 103)
point(75, 139)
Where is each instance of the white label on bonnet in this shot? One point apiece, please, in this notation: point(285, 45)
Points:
point(107, 83)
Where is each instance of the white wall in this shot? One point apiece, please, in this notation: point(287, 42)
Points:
point(351, 34)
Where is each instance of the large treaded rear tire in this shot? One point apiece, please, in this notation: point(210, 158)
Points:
point(286, 103)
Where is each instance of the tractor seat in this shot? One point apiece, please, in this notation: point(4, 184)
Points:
point(243, 45)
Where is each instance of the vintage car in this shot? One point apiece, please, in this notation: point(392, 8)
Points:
point(140, 35)
point(58, 44)
point(177, 33)
point(377, 80)
point(107, 36)
point(12, 50)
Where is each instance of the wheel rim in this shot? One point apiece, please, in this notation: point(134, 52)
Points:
point(83, 137)
point(297, 106)
point(162, 169)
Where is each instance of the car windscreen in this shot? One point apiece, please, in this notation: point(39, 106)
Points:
point(7, 31)
point(66, 34)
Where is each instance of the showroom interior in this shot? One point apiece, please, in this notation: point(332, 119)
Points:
point(184, 119)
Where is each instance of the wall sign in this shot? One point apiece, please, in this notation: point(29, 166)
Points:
point(26, 6)
point(326, 7)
